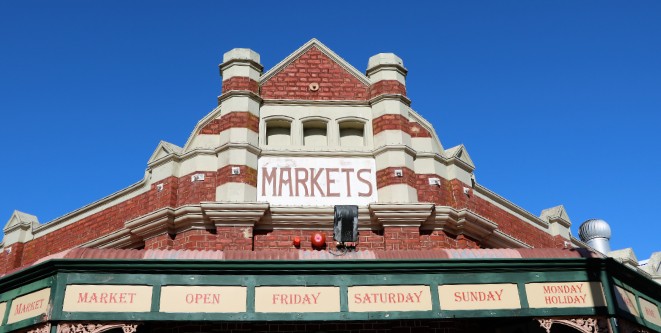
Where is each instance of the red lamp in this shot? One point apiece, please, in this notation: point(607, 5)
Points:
point(318, 240)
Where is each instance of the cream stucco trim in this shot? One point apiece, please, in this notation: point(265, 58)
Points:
point(234, 213)
point(385, 97)
point(311, 217)
point(302, 102)
point(400, 214)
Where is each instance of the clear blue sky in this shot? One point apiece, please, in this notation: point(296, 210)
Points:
point(558, 102)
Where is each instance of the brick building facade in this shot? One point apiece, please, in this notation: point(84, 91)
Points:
point(260, 175)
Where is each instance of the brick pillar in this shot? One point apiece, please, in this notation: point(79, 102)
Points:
point(390, 124)
point(238, 126)
point(401, 238)
point(401, 224)
point(14, 256)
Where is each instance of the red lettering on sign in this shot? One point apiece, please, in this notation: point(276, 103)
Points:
point(309, 182)
point(205, 298)
point(106, 298)
point(387, 298)
point(27, 307)
point(295, 299)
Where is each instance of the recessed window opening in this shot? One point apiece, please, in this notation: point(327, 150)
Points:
point(278, 132)
point(315, 133)
point(352, 133)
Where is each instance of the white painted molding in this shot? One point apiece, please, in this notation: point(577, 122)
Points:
point(383, 97)
point(163, 150)
point(306, 217)
point(152, 224)
point(460, 153)
point(400, 215)
point(19, 228)
point(465, 222)
point(293, 102)
point(203, 122)
point(233, 213)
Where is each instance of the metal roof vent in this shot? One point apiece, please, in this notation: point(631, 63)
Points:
point(597, 234)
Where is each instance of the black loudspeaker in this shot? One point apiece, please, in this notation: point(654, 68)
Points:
point(345, 228)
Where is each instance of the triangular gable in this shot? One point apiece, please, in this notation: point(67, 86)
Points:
point(554, 213)
point(460, 152)
point(314, 72)
point(20, 218)
point(164, 149)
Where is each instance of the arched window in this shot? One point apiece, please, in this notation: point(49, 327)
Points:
point(315, 133)
point(352, 133)
point(278, 132)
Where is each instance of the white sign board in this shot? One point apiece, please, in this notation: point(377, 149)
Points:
point(311, 181)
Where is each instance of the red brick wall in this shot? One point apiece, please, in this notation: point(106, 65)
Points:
point(189, 192)
point(385, 177)
point(176, 192)
point(240, 83)
point(247, 175)
point(402, 238)
point(163, 241)
point(451, 193)
point(284, 239)
point(181, 191)
point(335, 83)
point(238, 119)
point(400, 123)
point(387, 87)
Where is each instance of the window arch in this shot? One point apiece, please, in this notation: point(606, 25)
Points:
point(352, 133)
point(315, 132)
point(278, 132)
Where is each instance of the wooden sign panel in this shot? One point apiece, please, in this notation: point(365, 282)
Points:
point(389, 298)
point(3, 308)
point(297, 299)
point(626, 301)
point(565, 295)
point(107, 298)
point(479, 297)
point(28, 306)
point(210, 299)
point(650, 311)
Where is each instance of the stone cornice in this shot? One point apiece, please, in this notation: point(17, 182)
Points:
point(175, 157)
point(239, 93)
point(190, 217)
point(560, 220)
point(465, 222)
point(405, 100)
point(234, 213)
point(502, 240)
point(403, 148)
point(119, 239)
point(290, 102)
point(400, 215)
point(312, 217)
point(327, 153)
point(232, 62)
point(378, 68)
point(157, 222)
